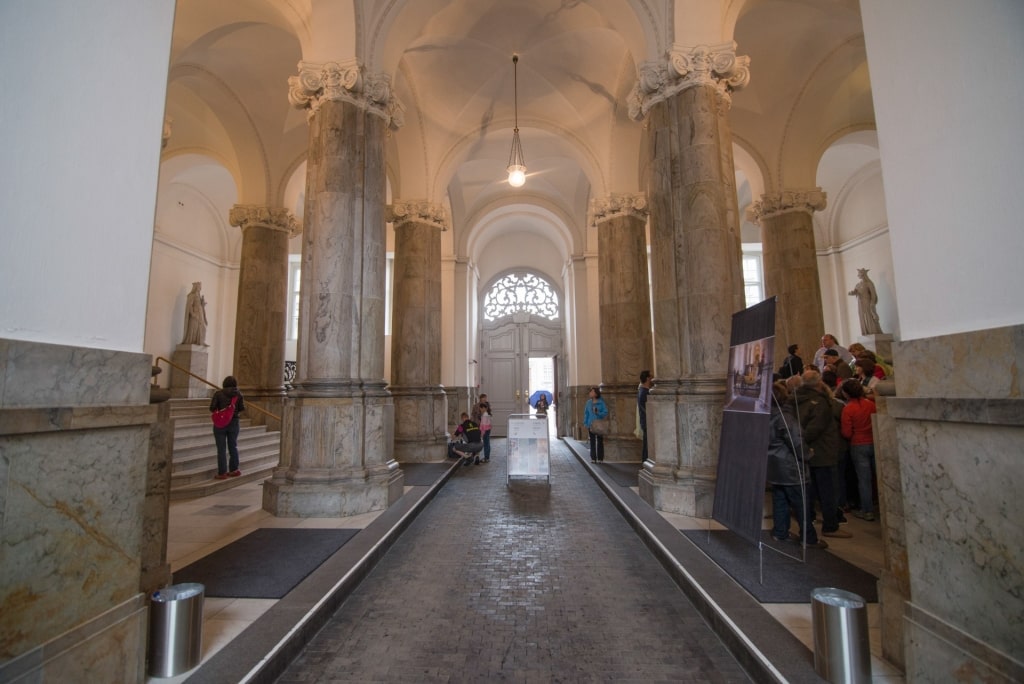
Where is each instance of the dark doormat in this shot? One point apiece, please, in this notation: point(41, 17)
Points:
point(785, 580)
point(266, 563)
point(424, 474)
point(624, 474)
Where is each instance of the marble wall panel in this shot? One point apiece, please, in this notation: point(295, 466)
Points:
point(983, 363)
point(36, 374)
point(70, 540)
point(965, 535)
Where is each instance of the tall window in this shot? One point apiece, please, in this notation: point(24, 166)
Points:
point(389, 283)
point(294, 281)
point(753, 273)
point(521, 292)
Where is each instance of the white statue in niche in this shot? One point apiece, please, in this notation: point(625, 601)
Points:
point(867, 299)
point(195, 317)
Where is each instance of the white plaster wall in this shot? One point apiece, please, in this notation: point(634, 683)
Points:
point(82, 116)
point(948, 98)
point(519, 250)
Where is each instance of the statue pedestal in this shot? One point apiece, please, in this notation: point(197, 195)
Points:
point(193, 357)
point(881, 344)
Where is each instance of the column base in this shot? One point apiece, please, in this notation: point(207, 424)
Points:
point(421, 431)
point(682, 497)
point(336, 455)
point(334, 500)
point(621, 444)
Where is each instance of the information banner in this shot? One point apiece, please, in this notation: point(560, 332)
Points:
point(743, 451)
point(529, 452)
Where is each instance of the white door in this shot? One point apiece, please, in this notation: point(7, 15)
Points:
point(508, 345)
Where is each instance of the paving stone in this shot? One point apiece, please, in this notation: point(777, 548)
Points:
point(520, 583)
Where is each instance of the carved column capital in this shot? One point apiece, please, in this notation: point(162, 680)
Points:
point(416, 211)
point(605, 208)
point(276, 218)
point(346, 82)
point(777, 203)
point(717, 66)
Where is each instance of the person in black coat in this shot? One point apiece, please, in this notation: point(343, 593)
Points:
point(227, 437)
point(787, 470)
point(793, 364)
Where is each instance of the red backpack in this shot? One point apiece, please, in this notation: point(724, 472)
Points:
point(222, 417)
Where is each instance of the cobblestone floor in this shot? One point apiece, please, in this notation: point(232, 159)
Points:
point(526, 583)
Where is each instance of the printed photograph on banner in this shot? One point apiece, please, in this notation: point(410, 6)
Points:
point(749, 385)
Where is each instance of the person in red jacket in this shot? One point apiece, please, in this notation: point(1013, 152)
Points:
point(856, 427)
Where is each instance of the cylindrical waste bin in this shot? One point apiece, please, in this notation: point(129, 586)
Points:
point(842, 649)
point(175, 629)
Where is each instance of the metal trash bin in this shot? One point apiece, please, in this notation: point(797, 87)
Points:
point(842, 649)
point(176, 629)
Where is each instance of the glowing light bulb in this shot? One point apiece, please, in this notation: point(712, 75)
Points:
point(516, 176)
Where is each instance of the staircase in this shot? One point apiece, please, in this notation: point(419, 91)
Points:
point(194, 462)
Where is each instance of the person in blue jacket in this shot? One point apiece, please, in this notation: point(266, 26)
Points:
point(595, 409)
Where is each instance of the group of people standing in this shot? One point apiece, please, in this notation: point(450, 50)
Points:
point(475, 432)
point(820, 422)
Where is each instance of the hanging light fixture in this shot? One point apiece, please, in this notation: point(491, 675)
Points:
point(516, 163)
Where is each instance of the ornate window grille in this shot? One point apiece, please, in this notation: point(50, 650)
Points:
point(521, 292)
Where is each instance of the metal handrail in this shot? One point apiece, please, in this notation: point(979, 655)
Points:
point(204, 380)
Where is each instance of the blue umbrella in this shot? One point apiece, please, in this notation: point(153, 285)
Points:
point(541, 393)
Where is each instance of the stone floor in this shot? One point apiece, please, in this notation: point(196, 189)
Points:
point(529, 582)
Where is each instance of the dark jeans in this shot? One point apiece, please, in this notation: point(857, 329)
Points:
point(227, 442)
point(596, 447)
point(863, 456)
point(643, 454)
point(821, 486)
point(487, 445)
point(786, 500)
point(839, 481)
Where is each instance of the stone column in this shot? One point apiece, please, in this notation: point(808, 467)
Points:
point(420, 403)
point(262, 307)
point(336, 442)
point(791, 268)
point(625, 306)
point(695, 264)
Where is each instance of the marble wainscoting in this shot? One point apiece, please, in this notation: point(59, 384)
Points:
point(75, 440)
point(959, 423)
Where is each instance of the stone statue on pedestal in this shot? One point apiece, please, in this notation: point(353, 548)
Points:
point(195, 317)
point(867, 299)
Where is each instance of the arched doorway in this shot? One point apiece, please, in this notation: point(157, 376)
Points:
point(520, 321)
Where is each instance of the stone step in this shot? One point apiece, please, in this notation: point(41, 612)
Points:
point(187, 458)
point(199, 489)
point(194, 459)
point(205, 469)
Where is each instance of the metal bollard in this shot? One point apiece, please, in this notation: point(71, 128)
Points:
point(842, 649)
point(176, 629)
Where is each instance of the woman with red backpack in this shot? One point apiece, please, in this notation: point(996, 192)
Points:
point(225, 406)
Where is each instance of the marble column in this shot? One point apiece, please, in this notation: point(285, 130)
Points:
point(337, 442)
point(420, 403)
point(695, 264)
point(791, 268)
point(262, 307)
point(625, 306)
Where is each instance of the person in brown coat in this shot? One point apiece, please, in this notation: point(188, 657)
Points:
point(817, 411)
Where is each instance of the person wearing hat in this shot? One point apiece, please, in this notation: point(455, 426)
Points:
point(834, 363)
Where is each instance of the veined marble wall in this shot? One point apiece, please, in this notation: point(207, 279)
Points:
point(959, 422)
point(75, 431)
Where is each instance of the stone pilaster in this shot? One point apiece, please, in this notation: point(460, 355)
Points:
point(337, 441)
point(624, 301)
point(262, 307)
point(420, 401)
point(696, 267)
point(791, 267)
